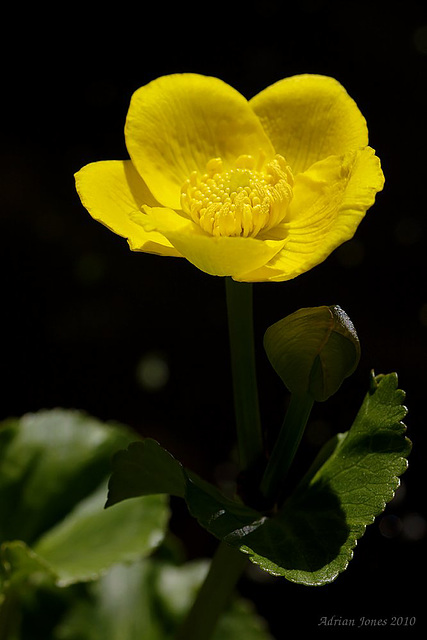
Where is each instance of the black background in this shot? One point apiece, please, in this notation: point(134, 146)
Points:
point(80, 311)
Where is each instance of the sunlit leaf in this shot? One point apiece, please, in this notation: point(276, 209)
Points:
point(91, 538)
point(311, 539)
point(49, 461)
point(54, 468)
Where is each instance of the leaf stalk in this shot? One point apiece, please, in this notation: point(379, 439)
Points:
point(214, 595)
point(286, 445)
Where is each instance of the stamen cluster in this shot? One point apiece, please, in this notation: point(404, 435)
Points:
point(242, 201)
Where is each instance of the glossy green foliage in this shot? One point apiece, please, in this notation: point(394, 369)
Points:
point(313, 350)
point(150, 599)
point(145, 468)
point(54, 467)
point(311, 538)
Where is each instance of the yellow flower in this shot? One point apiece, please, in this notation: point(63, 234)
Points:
point(260, 190)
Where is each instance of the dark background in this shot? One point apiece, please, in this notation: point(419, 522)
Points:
point(82, 317)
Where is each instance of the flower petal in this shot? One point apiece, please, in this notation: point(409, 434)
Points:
point(330, 200)
point(218, 256)
point(177, 123)
point(111, 191)
point(310, 117)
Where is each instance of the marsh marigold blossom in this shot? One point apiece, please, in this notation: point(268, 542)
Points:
point(260, 190)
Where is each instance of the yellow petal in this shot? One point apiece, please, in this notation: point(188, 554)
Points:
point(218, 256)
point(177, 123)
point(330, 200)
point(310, 117)
point(112, 191)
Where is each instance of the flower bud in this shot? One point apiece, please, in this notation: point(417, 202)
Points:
point(313, 350)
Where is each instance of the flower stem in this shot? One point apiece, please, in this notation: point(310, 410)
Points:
point(228, 562)
point(9, 616)
point(214, 595)
point(285, 448)
point(240, 324)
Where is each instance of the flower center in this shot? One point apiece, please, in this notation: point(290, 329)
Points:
point(242, 201)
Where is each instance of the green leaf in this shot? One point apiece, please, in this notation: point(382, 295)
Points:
point(145, 468)
point(91, 539)
point(150, 599)
point(176, 588)
point(49, 461)
point(313, 350)
point(224, 517)
point(18, 563)
point(311, 539)
point(53, 487)
point(350, 489)
point(242, 621)
point(119, 606)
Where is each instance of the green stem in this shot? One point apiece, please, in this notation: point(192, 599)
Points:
point(9, 616)
point(228, 562)
point(240, 324)
point(214, 595)
point(286, 446)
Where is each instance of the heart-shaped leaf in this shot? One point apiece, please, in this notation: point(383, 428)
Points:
point(311, 539)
